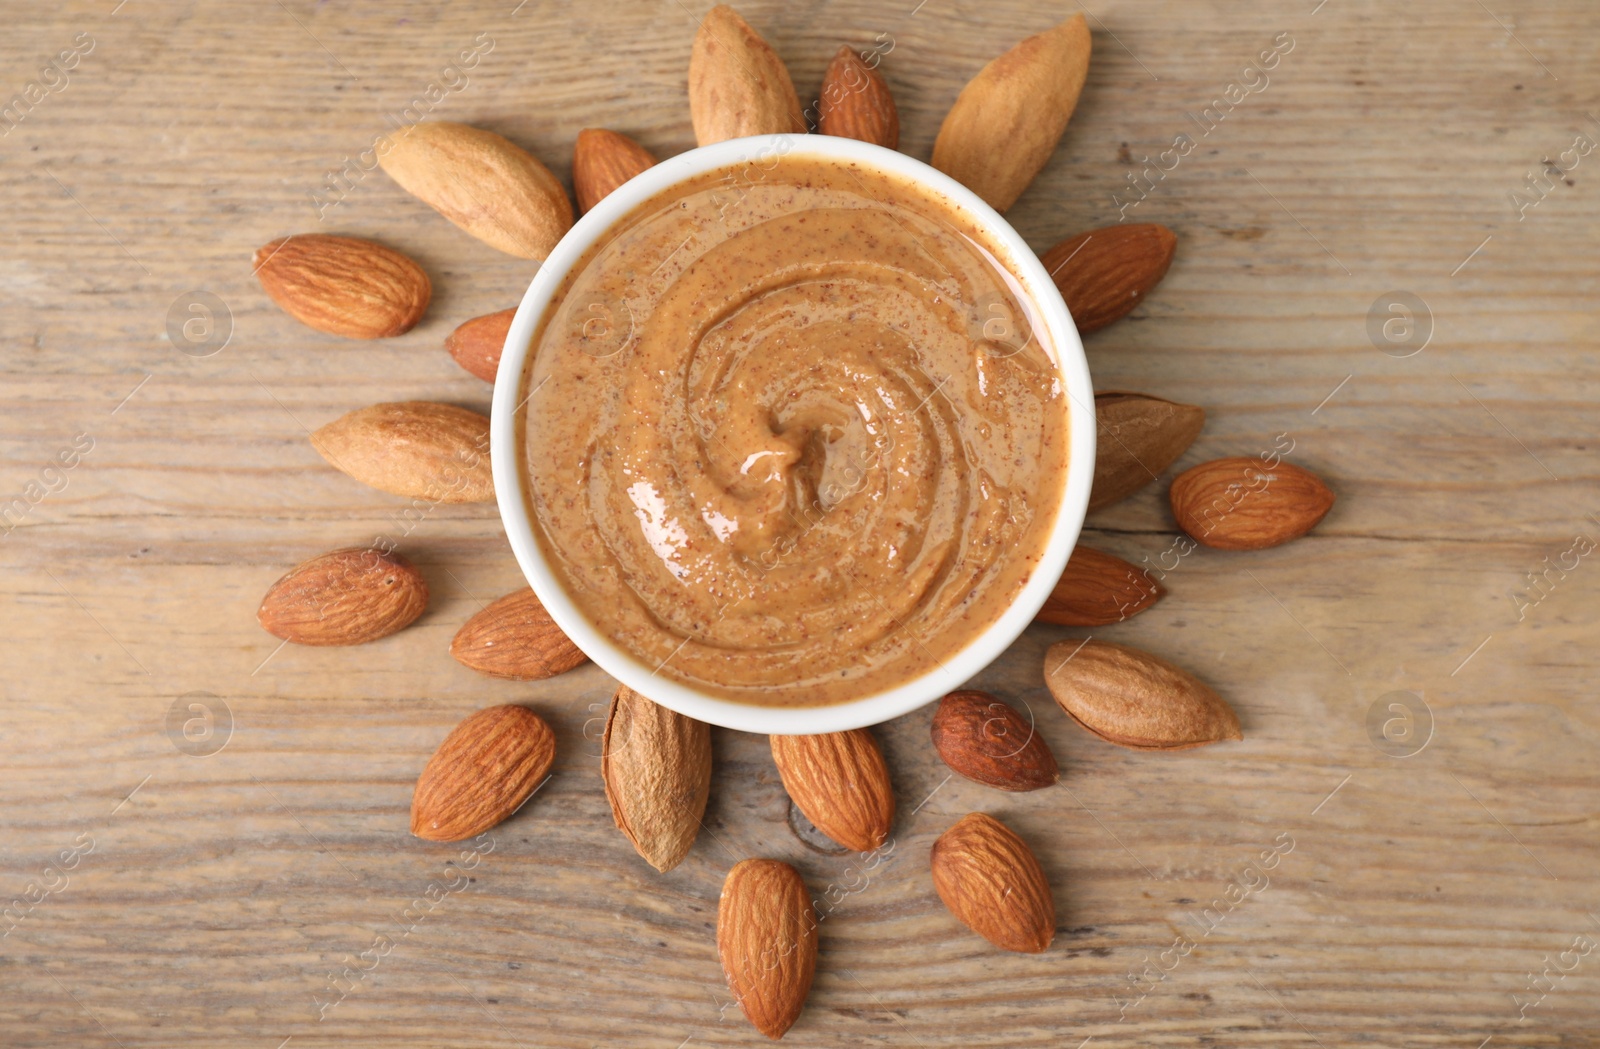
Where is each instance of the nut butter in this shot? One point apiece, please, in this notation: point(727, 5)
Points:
point(791, 437)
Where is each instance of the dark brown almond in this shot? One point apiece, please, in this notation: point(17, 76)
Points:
point(483, 771)
point(1139, 436)
point(1098, 589)
point(477, 344)
point(602, 160)
point(989, 742)
point(1243, 504)
point(855, 102)
point(515, 638)
point(347, 597)
point(344, 285)
point(1105, 273)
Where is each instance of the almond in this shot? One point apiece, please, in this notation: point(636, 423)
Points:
point(1098, 589)
point(344, 285)
point(1244, 504)
point(993, 884)
point(1006, 121)
point(855, 102)
point(603, 160)
point(738, 85)
point(477, 344)
point(841, 783)
point(1139, 436)
point(420, 449)
point(515, 638)
point(347, 597)
point(767, 942)
point(495, 190)
point(483, 772)
point(988, 742)
point(656, 765)
point(1105, 273)
point(1133, 699)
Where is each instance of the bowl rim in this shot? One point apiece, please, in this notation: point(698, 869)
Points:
point(955, 670)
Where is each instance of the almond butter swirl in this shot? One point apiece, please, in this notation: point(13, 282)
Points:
point(791, 437)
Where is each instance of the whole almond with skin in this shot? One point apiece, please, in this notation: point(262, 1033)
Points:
point(515, 638)
point(738, 85)
point(344, 285)
point(989, 742)
point(420, 449)
point(841, 783)
point(993, 884)
point(656, 764)
point(485, 184)
point(1007, 120)
point(478, 343)
point(1134, 699)
point(603, 160)
point(1105, 273)
point(1243, 504)
point(483, 771)
point(767, 942)
point(1139, 436)
point(855, 102)
point(347, 597)
point(1098, 589)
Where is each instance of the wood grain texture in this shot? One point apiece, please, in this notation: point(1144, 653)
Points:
point(222, 890)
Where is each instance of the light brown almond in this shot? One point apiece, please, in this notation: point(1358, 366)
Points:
point(1134, 699)
point(1105, 273)
point(485, 184)
point(1007, 120)
point(420, 449)
point(603, 160)
point(989, 742)
point(483, 771)
point(738, 85)
point(1243, 504)
point(840, 782)
point(477, 344)
point(855, 102)
point(767, 942)
point(1139, 436)
point(1098, 589)
point(993, 884)
point(347, 597)
point(656, 765)
point(344, 285)
point(515, 638)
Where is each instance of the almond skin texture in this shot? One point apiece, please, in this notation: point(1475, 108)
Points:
point(989, 742)
point(477, 344)
point(656, 765)
point(1244, 504)
point(347, 597)
point(855, 102)
point(1098, 589)
point(1007, 120)
point(344, 285)
point(993, 884)
point(483, 771)
point(1133, 699)
point(420, 449)
point(1105, 273)
point(767, 942)
point(603, 160)
point(485, 184)
point(738, 85)
point(1139, 436)
point(841, 783)
point(515, 638)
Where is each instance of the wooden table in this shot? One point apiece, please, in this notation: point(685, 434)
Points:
point(209, 896)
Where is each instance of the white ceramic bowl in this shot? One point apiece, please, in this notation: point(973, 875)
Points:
point(955, 670)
